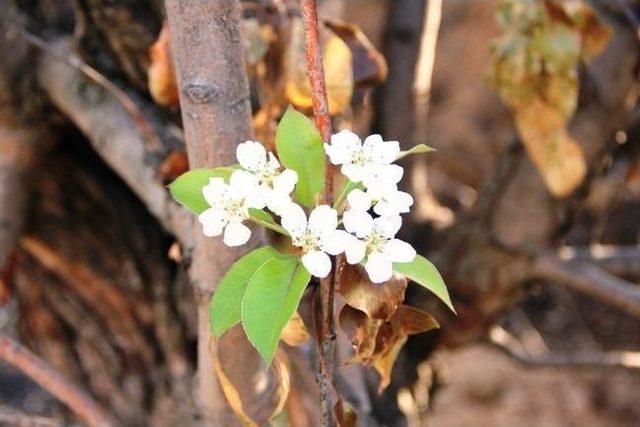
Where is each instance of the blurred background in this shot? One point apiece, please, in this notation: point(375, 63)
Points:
point(530, 207)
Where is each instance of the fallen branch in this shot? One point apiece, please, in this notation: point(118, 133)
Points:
point(618, 260)
point(587, 278)
point(37, 369)
point(505, 343)
point(327, 333)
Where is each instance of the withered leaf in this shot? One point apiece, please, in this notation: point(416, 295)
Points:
point(377, 300)
point(295, 332)
point(345, 415)
point(534, 70)
point(361, 332)
point(337, 69)
point(163, 86)
point(255, 393)
point(369, 65)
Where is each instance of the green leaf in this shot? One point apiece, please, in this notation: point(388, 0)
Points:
point(421, 271)
point(300, 148)
point(226, 305)
point(418, 149)
point(187, 188)
point(266, 220)
point(272, 297)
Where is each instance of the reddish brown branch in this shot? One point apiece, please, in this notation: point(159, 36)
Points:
point(37, 369)
point(327, 338)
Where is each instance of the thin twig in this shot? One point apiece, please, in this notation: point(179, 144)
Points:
point(39, 371)
point(589, 279)
point(508, 345)
point(327, 336)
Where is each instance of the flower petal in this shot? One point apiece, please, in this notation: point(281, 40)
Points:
point(376, 174)
point(343, 145)
point(251, 155)
point(236, 234)
point(398, 251)
point(387, 227)
point(213, 221)
point(215, 191)
point(323, 219)
point(286, 181)
point(334, 242)
point(358, 222)
point(273, 163)
point(379, 151)
point(294, 220)
point(355, 173)
point(277, 202)
point(359, 200)
point(317, 263)
point(354, 250)
point(379, 268)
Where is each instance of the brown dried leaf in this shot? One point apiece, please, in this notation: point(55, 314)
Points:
point(337, 69)
point(345, 415)
point(557, 156)
point(163, 86)
point(369, 65)
point(295, 332)
point(361, 331)
point(377, 300)
point(175, 164)
point(255, 393)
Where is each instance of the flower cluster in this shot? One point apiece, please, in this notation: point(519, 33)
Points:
point(371, 218)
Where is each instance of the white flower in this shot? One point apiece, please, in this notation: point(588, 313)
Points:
point(357, 158)
point(375, 240)
point(230, 205)
point(272, 185)
point(386, 200)
point(317, 237)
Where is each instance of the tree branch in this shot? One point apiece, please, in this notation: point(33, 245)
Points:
point(207, 50)
point(71, 395)
point(327, 334)
point(505, 343)
point(586, 278)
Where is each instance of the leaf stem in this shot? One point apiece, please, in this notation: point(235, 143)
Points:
point(270, 226)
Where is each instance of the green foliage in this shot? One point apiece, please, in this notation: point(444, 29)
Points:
point(418, 149)
point(421, 271)
point(225, 309)
point(187, 188)
point(271, 298)
point(300, 148)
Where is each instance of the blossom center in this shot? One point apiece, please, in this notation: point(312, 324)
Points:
point(360, 158)
point(375, 242)
point(308, 241)
point(266, 175)
point(235, 209)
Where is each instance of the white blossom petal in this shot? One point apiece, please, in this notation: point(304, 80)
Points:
point(286, 181)
point(393, 203)
point(356, 173)
point(379, 151)
point(358, 222)
point(236, 234)
point(387, 226)
point(294, 220)
point(379, 268)
point(317, 263)
point(359, 200)
point(398, 251)
point(323, 219)
point(242, 183)
point(215, 191)
point(213, 221)
point(376, 175)
point(277, 202)
point(343, 145)
point(354, 250)
point(334, 242)
point(251, 155)
point(273, 163)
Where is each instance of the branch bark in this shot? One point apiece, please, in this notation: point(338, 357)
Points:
point(216, 113)
point(327, 334)
point(35, 368)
